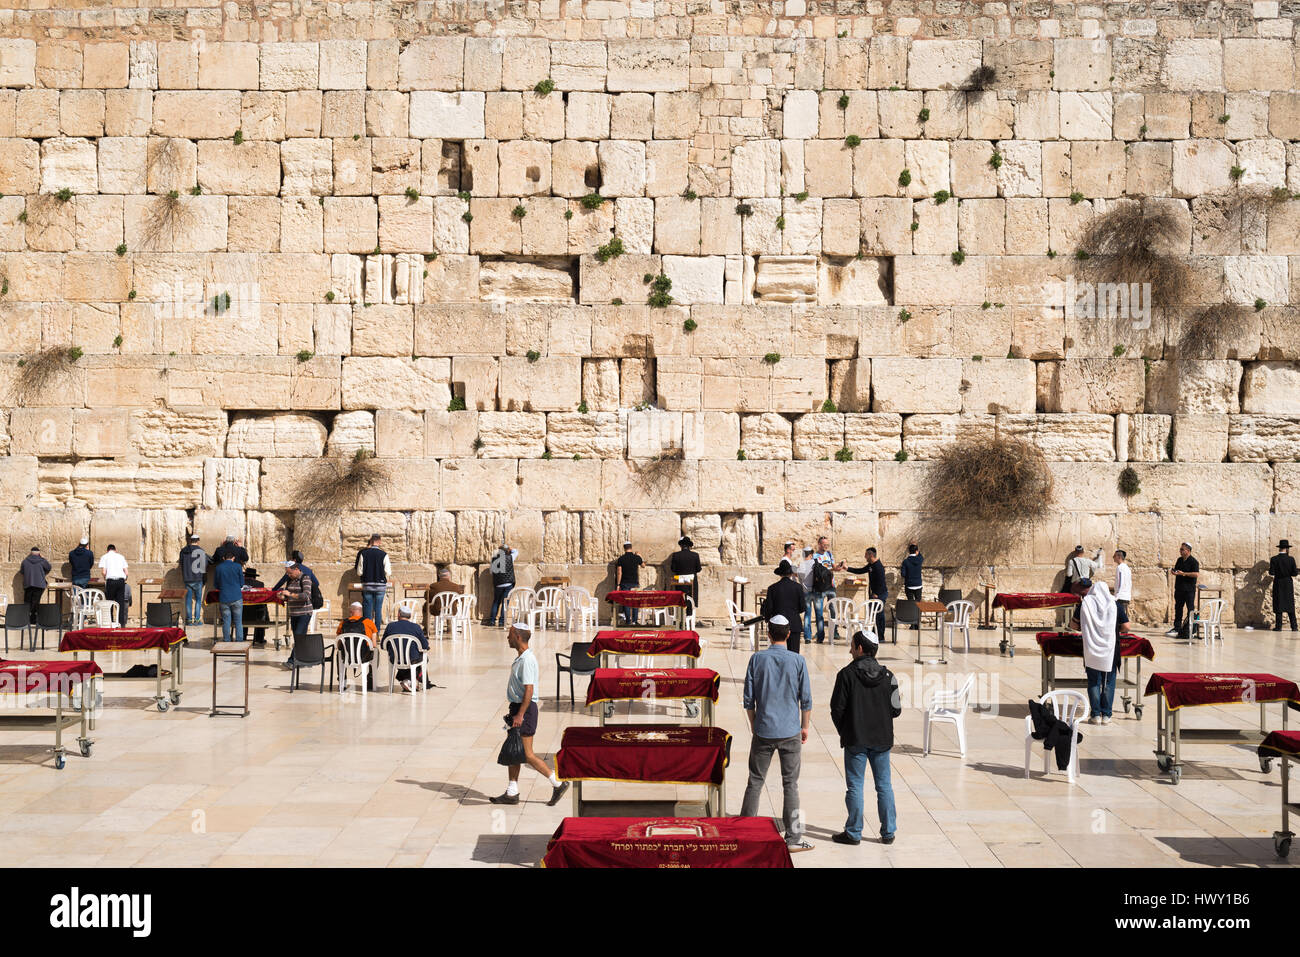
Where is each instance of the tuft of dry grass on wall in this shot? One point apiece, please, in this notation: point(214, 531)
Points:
point(981, 496)
point(338, 482)
point(658, 475)
point(166, 216)
point(38, 371)
point(1131, 243)
point(1212, 332)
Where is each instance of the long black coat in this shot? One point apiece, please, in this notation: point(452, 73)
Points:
point(1283, 569)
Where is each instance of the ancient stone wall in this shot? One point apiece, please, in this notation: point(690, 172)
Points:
point(575, 271)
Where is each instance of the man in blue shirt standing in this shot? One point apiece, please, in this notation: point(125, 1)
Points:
point(778, 700)
point(228, 576)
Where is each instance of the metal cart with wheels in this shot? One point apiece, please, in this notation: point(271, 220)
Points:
point(169, 641)
point(1065, 644)
point(1284, 745)
point(1012, 602)
point(59, 685)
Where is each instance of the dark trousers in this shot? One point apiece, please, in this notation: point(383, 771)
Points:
point(1279, 610)
point(789, 751)
point(913, 594)
point(1184, 603)
point(32, 596)
point(115, 590)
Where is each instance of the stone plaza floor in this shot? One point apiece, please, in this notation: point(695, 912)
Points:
point(403, 780)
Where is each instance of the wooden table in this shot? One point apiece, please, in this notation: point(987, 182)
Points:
point(236, 651)
point(147, 583)
point(63, 586)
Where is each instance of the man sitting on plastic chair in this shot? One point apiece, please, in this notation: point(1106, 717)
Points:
point(401, 628)
point(357, 624)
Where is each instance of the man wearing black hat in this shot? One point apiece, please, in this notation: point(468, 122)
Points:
point(785, 600)
point(686, 562)
point(627, 574)
point(1283, 569)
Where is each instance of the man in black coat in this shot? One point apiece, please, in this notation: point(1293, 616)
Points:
point(874, 569)
point(785, 599)
point(686, 562)
point(1283, 569)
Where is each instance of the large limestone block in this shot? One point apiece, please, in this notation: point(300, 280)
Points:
point(710, 435)
point(648, 65)
point(290, 66)
point(17, 63)
point(652, 484)
point(478, 534)
point(936, 280)
point(71, 163)
point(942, 64)
point(1148, 437)
point(696, 279)
point(549, 384)
point(432, 63)
point(706, 532)
point(740, 539)
point(873, 436)
point(786, 278)
point(1091, 385)
point(351, 432)
point(1272, 388)
point(511, 435)
point(600, 384)
point(916, 385)
point(175, 433)
point(1202, 166)
point(453, 330)
point(196, 114)
point(995, 385)
point(853, 282)
point(150, 485)
point(431, 537)
point(1247, 278)
point(588, 435)
point(506, 280)
point(449, 116)
point(1200, 438)
point(1193, 488)
point(655, 434)
point(1263, 438)
point(830, 485)
point(280, 435)
point(818, 435)
point(926, 435)
point(450, 434)
point(766, 436)
point(1194, 386)
point(1078, 437)
point(384, 383)
point(562, 537)
point(231, 483)
point(750, 486)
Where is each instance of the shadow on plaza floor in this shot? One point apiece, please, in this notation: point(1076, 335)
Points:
point(467, 796)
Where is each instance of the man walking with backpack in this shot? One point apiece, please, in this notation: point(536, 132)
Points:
point(822, 591)
point(864, 704)
point(503, 583)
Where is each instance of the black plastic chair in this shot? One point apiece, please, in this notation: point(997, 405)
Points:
point(47, 619)
point(17, 618)
point(905, 612)
point(949, 595)
point(579, 661)
point(309, 651)
point(159, 614)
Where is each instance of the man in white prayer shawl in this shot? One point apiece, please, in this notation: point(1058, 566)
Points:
point(1097, 615)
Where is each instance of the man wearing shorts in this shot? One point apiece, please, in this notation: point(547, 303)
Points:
point(521, 691)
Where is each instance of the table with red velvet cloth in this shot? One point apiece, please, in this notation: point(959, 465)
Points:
point(681, 645)
point(670, 842)
point(169, 641)
point(608, 685)
point(1177, 690)
point(1286, 745)
point(252, 596)
point(1012, 602)
point(646, 753)
point(71, 684)
point(638, 598)
point(1069, 644)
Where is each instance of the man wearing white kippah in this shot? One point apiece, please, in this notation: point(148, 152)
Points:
point(520, 692)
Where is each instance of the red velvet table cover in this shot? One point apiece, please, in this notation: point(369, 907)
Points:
point(661, 753)
point(629, 598)
point(1018, 601)
point(120, 639)
point(634, 642)
point(29, 677)
point(623, 684)
point(1282, 742)
point(1067, 644)
point(670, 842)
point(252, 596)
point(1182, 689)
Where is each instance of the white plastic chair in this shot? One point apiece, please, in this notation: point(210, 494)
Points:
point(871, 610)
point(950, 707)
point(738, 627)
point(1207, 623)
point(519, 606)
point(83, 604)
point(1070, 707)
point(442, 610)
point(404, 651)
point(316, 615)
point(106, 614)
point(844, 614)
point(582, 607)
point(410, 604)
point(461, 619)
point(548, 605)
point(350, 661)
point(961, 611)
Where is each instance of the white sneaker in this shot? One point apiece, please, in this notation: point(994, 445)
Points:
point(1105, 720)
point(1171, 633)
point(1093, 719)
point(406, 686)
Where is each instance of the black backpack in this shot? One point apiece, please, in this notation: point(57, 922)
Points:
point(317, 596)
point(822, 579)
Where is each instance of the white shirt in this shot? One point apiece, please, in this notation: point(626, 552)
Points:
point(113, 565)
point(1123, 582)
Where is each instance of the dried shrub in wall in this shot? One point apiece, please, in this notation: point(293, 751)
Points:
point(1213, 332)
point(1133, 242)
point(163, 220)
point(39, 371)
point(656, 476)
point(338, 482)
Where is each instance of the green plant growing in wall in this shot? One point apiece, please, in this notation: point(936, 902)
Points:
point(305, 355)
point(592, 201)
point(544, 87)
point(611, 250)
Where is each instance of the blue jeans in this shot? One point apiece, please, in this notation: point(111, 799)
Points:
point(1101, 691)
point(499, 595)
point(855, 769)
point(815, 600)
point(193, 602)
point(372, 606)
point(232, 610)
point(630, 615)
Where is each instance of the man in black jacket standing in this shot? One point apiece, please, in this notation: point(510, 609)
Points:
point(874, 569)
point(686, 562)
point(1283, 569)
point(864, 704)
point(786, 598)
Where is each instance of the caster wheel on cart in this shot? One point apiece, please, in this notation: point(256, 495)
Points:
point(1265, 764)
point(59, 762)
point(1163, 762)
point(1175, 774)
point(1282, 844)
point(175, 697)
point(1011, 651)
point(1127, 706)
point(163, 704)
point(1137, 710)
point(85, 749)
point(1002, 647)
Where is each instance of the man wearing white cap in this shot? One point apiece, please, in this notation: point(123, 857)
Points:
point(864, 704)
point(778, 701)
point(627, 575)
point(80, 561)
point(520, 692)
